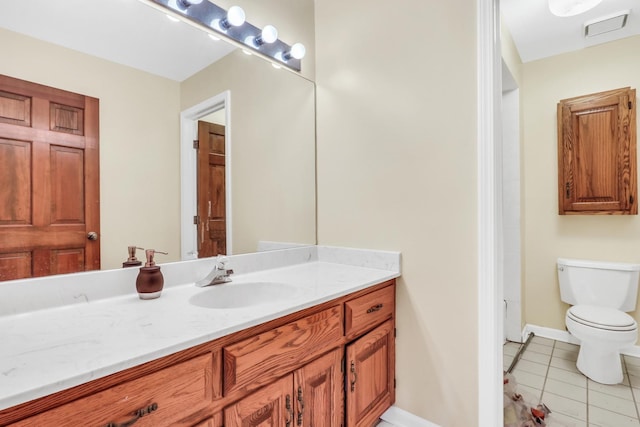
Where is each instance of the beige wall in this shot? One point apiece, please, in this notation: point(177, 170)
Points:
point(272, 148)
point(397, 170)
point(547, 234)
point(139, 157)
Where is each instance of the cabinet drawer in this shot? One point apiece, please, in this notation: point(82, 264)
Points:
point(259, 360)
point(368, 310)
point(168, 397)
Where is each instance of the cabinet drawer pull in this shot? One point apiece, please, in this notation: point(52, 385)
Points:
point(136, 416)
point(301, 406)
point(355, 376)
point(374, 308)
point(289, 407)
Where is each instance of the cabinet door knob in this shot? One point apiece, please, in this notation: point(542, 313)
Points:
point(92, 235)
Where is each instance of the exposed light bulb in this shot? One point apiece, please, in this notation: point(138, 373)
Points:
point(571, 7)
point(186, 3)
point(269, 34)
point(235, 17)
point(297, 51)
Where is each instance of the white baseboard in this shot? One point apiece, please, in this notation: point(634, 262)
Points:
point(401, 418)
point(565, 336)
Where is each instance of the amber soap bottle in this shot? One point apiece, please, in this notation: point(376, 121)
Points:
point(150, 281)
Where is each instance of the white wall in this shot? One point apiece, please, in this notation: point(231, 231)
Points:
point(397, 158)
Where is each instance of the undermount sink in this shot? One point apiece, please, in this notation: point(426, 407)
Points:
point(243, 295)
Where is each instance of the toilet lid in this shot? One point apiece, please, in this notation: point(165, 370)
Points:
point(602, 318)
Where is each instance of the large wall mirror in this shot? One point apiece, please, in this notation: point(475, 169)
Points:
point(146, 71)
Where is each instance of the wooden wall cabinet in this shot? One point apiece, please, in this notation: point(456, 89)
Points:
point(597, 172)
point(326, 366)
point(311, 396)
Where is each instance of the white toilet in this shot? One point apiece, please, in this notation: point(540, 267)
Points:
point(600, 293)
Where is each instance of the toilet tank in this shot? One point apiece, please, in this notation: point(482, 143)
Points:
point(603, 284)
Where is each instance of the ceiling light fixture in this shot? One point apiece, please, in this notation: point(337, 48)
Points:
point(565, 8)
point(232, 25)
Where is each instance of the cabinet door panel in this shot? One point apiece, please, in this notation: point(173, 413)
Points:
point(318, 392)
point(270, 406)
point(597, 153)
point(370, 376)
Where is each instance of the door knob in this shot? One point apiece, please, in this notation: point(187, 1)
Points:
point(92, 235)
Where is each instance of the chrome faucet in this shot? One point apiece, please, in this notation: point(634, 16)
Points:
point(220, 273)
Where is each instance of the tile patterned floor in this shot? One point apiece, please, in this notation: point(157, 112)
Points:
point(547, 373)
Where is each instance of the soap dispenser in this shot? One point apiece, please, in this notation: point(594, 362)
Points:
point(150, 281)
point(132, 261)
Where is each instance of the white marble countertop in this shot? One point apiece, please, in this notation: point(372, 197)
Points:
point(50, 349)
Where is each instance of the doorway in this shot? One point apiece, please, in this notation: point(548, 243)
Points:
point(215, 110)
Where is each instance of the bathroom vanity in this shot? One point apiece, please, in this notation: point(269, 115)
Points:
point(323, 354)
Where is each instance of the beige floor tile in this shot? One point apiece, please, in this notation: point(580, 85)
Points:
point(529, 394)
point(634, 380)
point(563, 405)
point(510, 348)
point(531, 367)
point(612, 403)
point(565, 389)
point(536, 357)
point(539, 348)
point(565, 354)
point(570, 377)
point(566, 346)
point(557, 419)
point(542, 341)
point(618, 390)
point(603, 418)
point(527, 379)
point(564, 364)
point(630, 360)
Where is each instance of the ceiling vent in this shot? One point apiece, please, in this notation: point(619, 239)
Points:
point(605, 24)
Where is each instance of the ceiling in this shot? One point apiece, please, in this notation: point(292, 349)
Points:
point(539, 34)
point(127, 32)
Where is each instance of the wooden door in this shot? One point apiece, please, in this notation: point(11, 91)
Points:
point(270, 406)
point(49, 181)
point(597, 153)
point(212, 224)
point(318, 392)
point(370, 376)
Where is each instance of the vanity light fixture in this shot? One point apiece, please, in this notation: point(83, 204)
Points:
point(231, 25)
point(565, 8)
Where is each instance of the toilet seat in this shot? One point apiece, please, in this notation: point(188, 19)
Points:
point(602, 318)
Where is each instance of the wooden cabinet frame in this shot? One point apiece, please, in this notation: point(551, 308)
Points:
point(597, 160)
point(318, 375)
